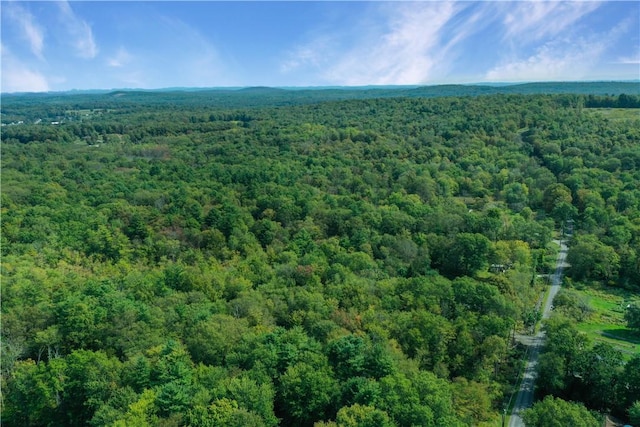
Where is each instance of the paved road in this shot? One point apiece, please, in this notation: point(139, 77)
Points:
point(524, 398)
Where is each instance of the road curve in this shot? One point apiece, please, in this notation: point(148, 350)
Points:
point(524, 398)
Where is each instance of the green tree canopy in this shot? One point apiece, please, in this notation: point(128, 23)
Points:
point(555, 412)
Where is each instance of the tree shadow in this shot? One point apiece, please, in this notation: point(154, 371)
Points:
point(622, 334)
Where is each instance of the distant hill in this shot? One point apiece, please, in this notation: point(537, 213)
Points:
point(260, 89)
point(581, 88)
point(270, 96)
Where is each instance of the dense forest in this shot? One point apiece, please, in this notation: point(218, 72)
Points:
point(318, 261)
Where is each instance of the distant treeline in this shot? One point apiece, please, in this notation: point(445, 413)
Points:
point(621, 101)
point(223, 98)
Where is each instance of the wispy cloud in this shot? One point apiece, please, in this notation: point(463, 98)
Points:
point(312, 54)
point(79, 32)
point(569, 58)
point(535, 20)
point(30, 30)
point(631, 60)
point(403, 54)
point(400, 43)
point(431, 41)
point(355, 43)
point(121, 58)
point(552, 61)
point(18, 77)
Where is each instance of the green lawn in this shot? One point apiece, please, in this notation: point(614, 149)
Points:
point(606, 323)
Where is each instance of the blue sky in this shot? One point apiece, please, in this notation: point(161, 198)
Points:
point(54, 46)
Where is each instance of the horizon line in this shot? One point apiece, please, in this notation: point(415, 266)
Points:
point(318, 87)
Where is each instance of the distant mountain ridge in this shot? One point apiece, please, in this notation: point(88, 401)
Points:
point(276, 96)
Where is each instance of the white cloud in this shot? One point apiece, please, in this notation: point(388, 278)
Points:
point(404, 54)
point(79, 31)
point(569, 58)
point(630, 60)
point(426, 42)
point(550, 62)
point(399, 43)
point(121, 58)
point(535, 20)
point(18, 77)
point(312, 54)
point(30, 30)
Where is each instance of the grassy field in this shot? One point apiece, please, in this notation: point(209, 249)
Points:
point(606, 322)
point(617, 113)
